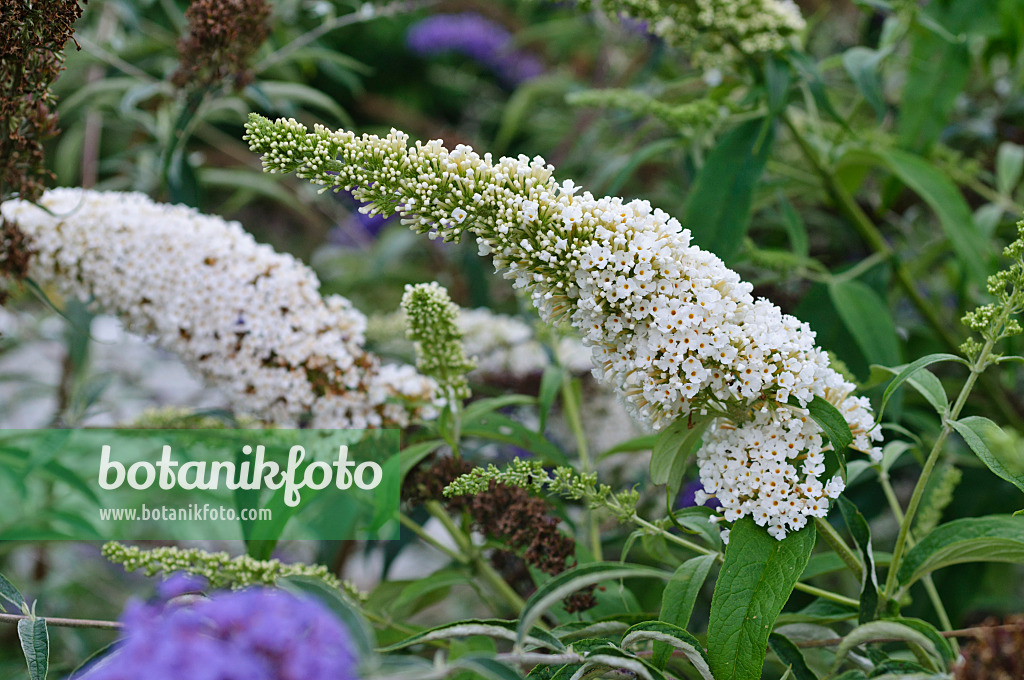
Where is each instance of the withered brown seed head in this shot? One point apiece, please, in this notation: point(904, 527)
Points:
point(995, 654)
point(32, 38)
point(508, 514)
point(223, 36)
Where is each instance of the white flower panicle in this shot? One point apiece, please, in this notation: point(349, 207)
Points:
point(714, 31)
point(431, 323)
point(670, 326)
point(249, 320)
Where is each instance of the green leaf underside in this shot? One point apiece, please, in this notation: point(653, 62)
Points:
point(671, 636)
point(755, 582)
point(994, 447)
point(497, 628)
point(576, 578)
point(35, 643)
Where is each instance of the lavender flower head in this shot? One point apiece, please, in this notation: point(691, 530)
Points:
point(180, 583)
point(253, 634)
point(478, 38)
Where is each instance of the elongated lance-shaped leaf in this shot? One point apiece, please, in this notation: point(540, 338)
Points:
point(886, 629)
point(35, 643)
point(861, 533)
point(672, 636)
point(497, 628)
point(994, 447)
point(755, 582)
point(791, 656)
point(673, 449)
point(972, 539)
point(11, 594)
point(908, 372)
point(678, 599)
point(570, 581)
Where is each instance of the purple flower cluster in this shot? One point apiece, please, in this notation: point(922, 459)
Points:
point(477, 37)
point(253, 634)
point(179, 583)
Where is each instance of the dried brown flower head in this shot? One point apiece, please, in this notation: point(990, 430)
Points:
point(32, 38)
point(997, 653)
point(223, 36)
point(508, 514)
point(14, 255)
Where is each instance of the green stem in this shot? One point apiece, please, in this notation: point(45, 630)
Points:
point(412, 526)
point(482, 566)
point(837, 544)
point(929, 584)
point(572, 413)
point(977, 367)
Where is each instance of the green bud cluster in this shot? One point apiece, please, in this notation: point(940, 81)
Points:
point(562, 481)
point(432, 324)
point(218, 568)
point(684, 118)
point(994, 321)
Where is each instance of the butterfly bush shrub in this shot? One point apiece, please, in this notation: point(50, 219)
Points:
point(820, 485)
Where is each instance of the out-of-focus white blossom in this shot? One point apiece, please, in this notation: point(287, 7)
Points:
point(249, 320)
point(671, 327)
point(503, 346)
point(714, 32)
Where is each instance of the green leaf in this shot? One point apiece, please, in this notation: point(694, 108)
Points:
point(778, 78)
point(942, 645)
point(790, 656)
point(284, 95)
point(11, 594)
point(811, 75)
point(834, 426)
point(670, 636)
point(414, 453)
point(609, 656)
point(908, 371)
point(755, 582)
point(486, 667)
point(972, 539)
point(718, 207)
point(678, 599)
point(673, 448)
point(346, 611)
point(501, 428)
point(796, 230)
point(496, 628)
point(862, 65)
point(937, 71)
point(35, 643)
point(1009, 166)
point(550, 386)
point(861, 533)
point(996, 449)
point(887, 629)
point(867, 318)
point(943, 197)
point(643, 443)
point(568, 582)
